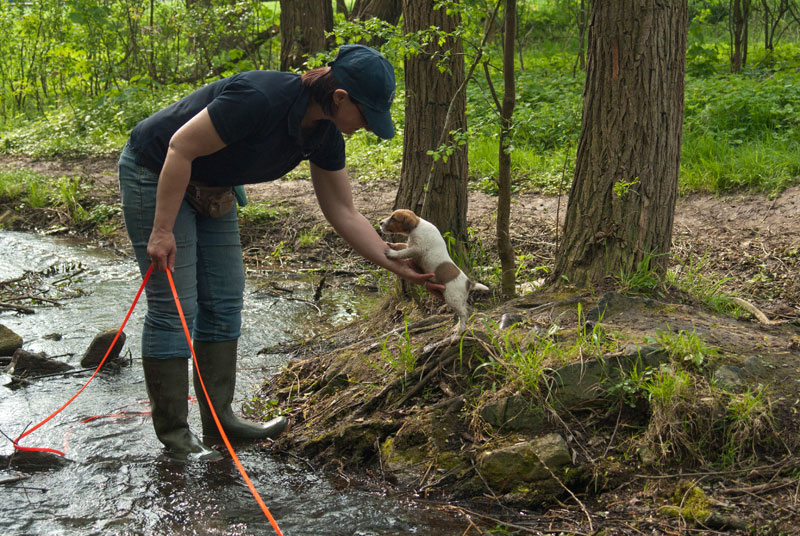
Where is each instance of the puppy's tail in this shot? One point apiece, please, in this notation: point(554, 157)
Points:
point(472, 285)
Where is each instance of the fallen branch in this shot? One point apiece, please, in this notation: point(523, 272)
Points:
point(13, 480)
point(440, 364)
point(8, 306)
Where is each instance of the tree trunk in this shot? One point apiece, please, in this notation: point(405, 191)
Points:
point(388, 10)
point(622, 202)
point(435, 190)
point(739, 23)
point(303, 27)
point(581, 18)
point(504, 247)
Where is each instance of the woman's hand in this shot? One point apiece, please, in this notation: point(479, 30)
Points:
point(162, 249)
point(335, 198)
point(408, 270)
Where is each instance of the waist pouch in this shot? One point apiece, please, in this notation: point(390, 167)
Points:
point(210, 201)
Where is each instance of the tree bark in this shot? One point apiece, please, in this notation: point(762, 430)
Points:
point(504, 247)
point(388, 10)
point(622, 201)
point(303, 27)
point(435, 190)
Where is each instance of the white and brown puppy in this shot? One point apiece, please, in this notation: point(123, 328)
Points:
point(426, 246)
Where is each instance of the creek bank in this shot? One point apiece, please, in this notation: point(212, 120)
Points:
point(452, 427)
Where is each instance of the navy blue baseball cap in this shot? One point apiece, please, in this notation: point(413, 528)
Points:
point(368, 78)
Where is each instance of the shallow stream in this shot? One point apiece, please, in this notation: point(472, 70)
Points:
point(115, 478)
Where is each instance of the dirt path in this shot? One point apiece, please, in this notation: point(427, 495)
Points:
point(750, 242)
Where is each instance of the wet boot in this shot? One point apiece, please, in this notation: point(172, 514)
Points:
point(167, 383)
point(217, 361)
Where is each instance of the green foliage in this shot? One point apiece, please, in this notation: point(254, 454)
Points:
point(685, 348)
point(90, 126)
point(690, 277)
point(13, 183)
point(103, 213)
point(310, 237)
point(402, 355)
point(56, 53)
point(640, 279)
point(31, 188)
point(76, 77)
point(666, 387)
point(528, 357)
point(747, 424)
point(630, 388)
point(515, 359)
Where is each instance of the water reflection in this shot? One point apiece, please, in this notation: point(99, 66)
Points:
point(114, 478)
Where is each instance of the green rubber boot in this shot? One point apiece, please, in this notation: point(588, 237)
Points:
point(217, 361)
point(167, 383)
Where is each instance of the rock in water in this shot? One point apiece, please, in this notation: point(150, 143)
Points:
point(30, 364)
point(99, 346)
point(9, 341)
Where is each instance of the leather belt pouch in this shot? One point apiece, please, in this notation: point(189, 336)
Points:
point(210, 201)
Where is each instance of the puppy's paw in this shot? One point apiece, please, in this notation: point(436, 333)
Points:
point(397, 246)
point(390, 253)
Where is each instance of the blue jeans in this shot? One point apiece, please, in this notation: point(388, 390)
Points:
point(208, 275)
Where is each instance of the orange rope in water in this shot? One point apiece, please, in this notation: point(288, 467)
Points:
point(17, 446)
point(216, 419)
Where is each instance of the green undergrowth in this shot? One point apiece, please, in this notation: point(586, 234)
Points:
point(740, 131)
point(69, 195)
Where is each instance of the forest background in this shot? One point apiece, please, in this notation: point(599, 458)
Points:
point(77, 75)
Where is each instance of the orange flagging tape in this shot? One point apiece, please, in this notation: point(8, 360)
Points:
point(216, 419)
point(102, 362)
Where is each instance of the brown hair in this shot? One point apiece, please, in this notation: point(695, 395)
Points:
point(321, 83)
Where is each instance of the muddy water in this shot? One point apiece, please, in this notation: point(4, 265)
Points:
point(115, 478)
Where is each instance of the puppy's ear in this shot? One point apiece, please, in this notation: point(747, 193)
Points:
point(407, 219)
point(408, 224)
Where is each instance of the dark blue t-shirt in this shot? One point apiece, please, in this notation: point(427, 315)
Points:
point(257, 114)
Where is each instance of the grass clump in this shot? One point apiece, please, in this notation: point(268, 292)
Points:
point(689, 276)
point(261, 212)
point(691, 420)
point(402, 355)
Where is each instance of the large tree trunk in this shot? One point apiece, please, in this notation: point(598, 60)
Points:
point(303, 27)
point(435, 190)
point(622, 201)
point(388, 10)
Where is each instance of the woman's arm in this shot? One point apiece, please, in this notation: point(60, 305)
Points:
point(335, 198)
point(197, 137)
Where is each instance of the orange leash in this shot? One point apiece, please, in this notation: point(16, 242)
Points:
point(214, 414)
point(17, 446)
point(239, 466)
